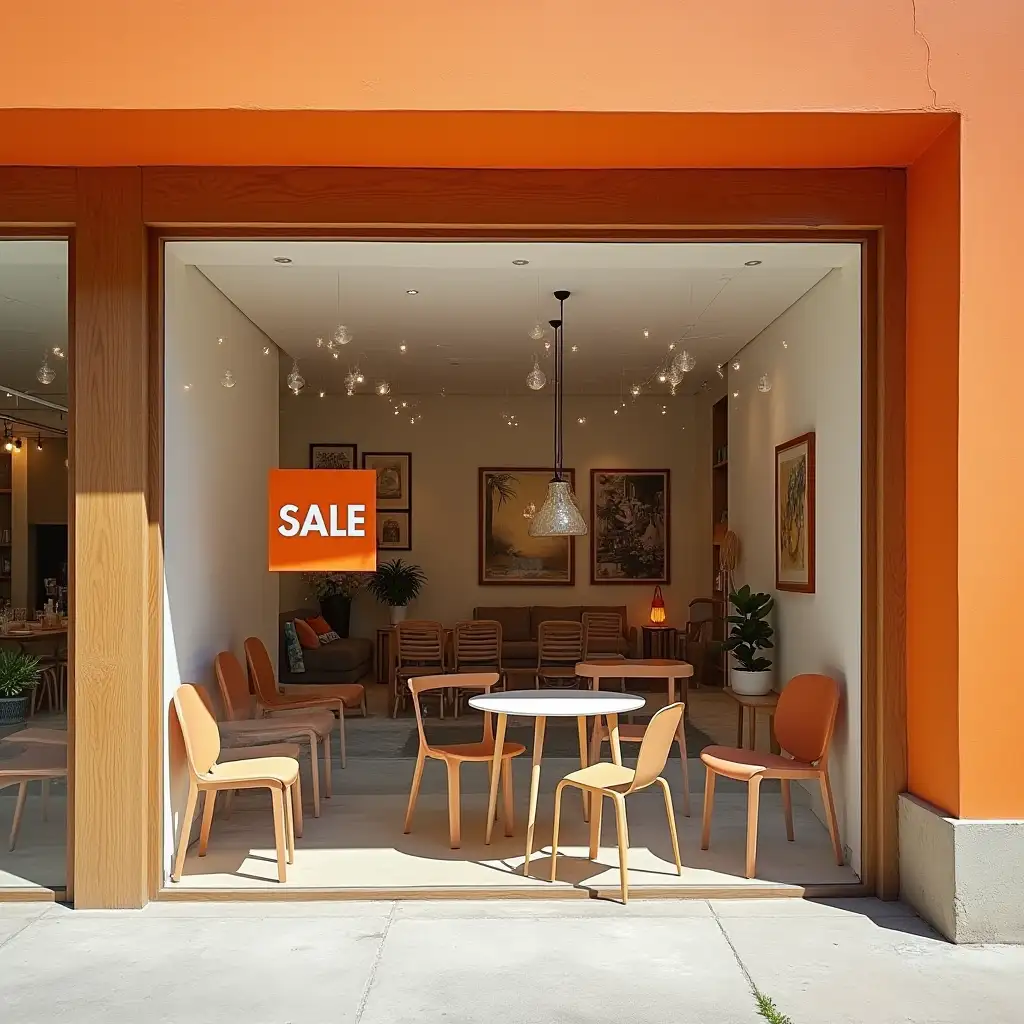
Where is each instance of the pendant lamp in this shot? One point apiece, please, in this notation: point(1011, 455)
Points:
point(559, 516)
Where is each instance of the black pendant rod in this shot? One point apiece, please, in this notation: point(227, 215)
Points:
point(561, 295)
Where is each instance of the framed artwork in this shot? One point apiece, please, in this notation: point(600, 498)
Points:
point(332, 456)
point(794, 515)
point(394, 478)
point(629, 526)
point(394, 531)
point(507, 552)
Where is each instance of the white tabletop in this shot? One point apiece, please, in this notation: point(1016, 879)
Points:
point(557, 703)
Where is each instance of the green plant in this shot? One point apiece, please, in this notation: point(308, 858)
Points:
point(750, 632)
point(396, 583)
point(18, 673)
point(335, 584)
point(767, 1009)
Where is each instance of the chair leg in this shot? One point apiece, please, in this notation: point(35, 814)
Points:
point(670, 814)
point(454, 804)
point(362, 705)
point(289, 824)
point(229, 799)
point(414, 792)
point(709, 803)
point(209, 801)
point(787, 808)
point(19, 807)
point(297, 806)
point(622, 831)
point(596, 739)
point(328, 767)
point(681, 740)
point(314, 759)
point(277, 798)
point(508, 801)
point(753, 804)
point(341, 732)
point(830, 817)
point(581, 731)
point(186, 830)
point(596, 807)
point(559, 789)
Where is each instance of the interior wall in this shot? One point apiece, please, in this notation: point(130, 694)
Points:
point(48, 481)
point(458, 435)
point(220, 443)
point(815, 386)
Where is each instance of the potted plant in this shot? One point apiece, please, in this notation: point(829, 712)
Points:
point(395, 584)
point(19, 674)
point(334, 591)
point(750, 674)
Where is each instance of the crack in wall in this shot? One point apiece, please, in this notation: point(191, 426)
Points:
point(927, 56)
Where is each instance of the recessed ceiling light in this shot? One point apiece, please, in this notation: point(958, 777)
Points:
point(520, 263)
point(412, 291)
point(282, 259)
point(752, 263)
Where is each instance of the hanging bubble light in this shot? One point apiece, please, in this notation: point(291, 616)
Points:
point(536, 379)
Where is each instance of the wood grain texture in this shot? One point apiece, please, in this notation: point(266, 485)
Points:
point(37, 197)
point(110, 581)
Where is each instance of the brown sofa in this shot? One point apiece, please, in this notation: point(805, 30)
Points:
point(341, 661)
point(519, 629)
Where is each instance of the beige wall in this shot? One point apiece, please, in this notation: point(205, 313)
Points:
point(458, 435)
point(48, 481)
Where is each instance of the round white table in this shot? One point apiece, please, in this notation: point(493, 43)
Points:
point(540, 705)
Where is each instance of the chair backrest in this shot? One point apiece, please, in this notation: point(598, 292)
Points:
point(261, 672)
point(559, 642)
point(659, 736)
point(198, 728)
point(806, 717)
point(706, 609)
point(234, 687)
point(467, 681)
point(420, 642)
point(477, 642)
point(601, 632)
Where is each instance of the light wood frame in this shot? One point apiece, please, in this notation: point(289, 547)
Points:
point(116, 524)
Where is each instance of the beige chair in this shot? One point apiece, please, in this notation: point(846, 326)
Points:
point(40, 762)
point(617, 782)
point(559, 648)
point(805, 720)
point(419, 651)
point(209, 774)
point(476, 647)
point(455, 754)
point(601, 632)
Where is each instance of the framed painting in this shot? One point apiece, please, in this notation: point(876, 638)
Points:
point(507, 553)
point(394, 479)
point(629, 540)
point(794, 515)
point(332, 456)
point(394, 531)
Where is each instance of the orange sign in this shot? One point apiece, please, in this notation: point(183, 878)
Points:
point(323, 520)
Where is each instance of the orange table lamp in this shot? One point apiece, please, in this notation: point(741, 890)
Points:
point(657, 608)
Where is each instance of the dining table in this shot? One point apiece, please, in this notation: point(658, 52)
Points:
point(540, 705)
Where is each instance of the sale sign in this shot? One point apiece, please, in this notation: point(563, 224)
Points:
point(322, 520)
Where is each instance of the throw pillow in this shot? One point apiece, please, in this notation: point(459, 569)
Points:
point(306, 634)
point(294, 648)
point(327, 638)
point(320, 624)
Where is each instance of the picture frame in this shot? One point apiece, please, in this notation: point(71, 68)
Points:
point(629, 526)
point(506, 554)
point(394, 479)
point(333, 456)
point(394, 530)
point(794, 514)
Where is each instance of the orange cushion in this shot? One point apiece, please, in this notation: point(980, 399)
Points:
point(307, 635)
point(319, 625)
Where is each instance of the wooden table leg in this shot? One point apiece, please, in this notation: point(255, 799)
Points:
point(492, 793)
point(753, 728)
point(613, 738)
point(581, 730)
point(681, 740)
point(739, 726)
point(531, 820)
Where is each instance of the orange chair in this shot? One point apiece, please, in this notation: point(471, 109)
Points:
point(617, 782)
point(455, 754)
point(209, 774)
point(805, 720)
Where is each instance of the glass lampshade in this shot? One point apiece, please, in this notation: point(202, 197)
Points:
point(559, 515)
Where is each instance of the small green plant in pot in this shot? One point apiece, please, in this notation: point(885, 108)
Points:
point(334, 592)
point(749, 634)
point(19, 674)
point(396, 583)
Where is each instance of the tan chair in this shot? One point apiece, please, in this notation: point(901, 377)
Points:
point(559, 648)
point(419, 651)
point(805, 720)
point(476, 647)
point(271, 701)
point(602, 631)
point(453, 755)
point(617, 782)
point(313, 727)
point(209, 774)
point(41, 761)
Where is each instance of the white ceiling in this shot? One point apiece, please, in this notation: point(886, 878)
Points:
point(467, 329)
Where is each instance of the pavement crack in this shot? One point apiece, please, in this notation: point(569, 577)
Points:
point(372, 976)
point(28, 924)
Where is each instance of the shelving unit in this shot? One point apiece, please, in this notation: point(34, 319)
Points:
point(719, 511)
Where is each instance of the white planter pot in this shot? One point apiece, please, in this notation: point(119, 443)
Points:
point(398, 613)
point(751, 684)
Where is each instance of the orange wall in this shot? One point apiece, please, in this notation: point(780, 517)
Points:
point(682, 56)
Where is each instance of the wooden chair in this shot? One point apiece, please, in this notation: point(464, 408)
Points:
point(312, 727)
point(476, 647)
point(271, 701)
point(41, 761)
point(209, 774)
point(697, 640)
point(559, 648)
point(454, 754)
point(602, 631)
point(804, 723)
point(617, 782)
point(419, 651)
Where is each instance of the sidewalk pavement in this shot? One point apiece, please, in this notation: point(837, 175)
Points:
point(517, 961)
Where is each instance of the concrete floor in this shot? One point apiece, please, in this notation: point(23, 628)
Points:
point(522, 962)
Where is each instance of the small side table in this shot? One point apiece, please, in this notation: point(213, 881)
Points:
point(747, 708)
point(660, 641)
